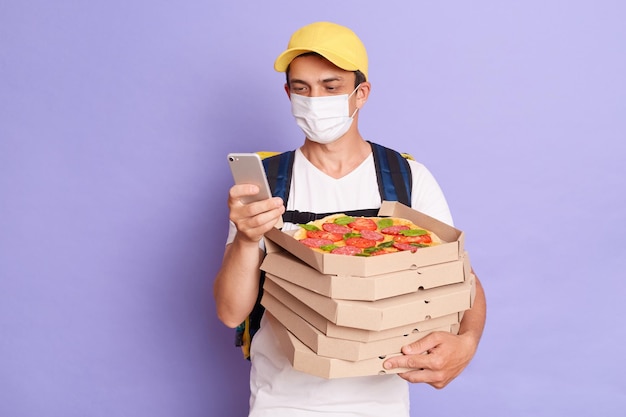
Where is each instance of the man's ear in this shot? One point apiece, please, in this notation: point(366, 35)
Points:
point(363, 93)
point(287, 91)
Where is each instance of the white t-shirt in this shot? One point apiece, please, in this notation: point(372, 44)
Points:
point(277, 390)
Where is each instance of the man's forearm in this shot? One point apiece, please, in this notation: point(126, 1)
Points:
point(473, 321)
point(236, 285)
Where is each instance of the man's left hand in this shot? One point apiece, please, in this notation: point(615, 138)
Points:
point(435, 359)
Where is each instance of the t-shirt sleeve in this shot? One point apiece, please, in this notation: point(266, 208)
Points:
point(426, 195)
point(232, 231)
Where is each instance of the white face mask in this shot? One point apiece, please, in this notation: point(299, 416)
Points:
point(323, 119)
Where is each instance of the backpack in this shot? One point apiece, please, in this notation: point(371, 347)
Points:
point(394, 183)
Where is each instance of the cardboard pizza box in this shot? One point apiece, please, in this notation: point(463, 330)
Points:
point(275, 294)
point(371, 288)
point(386, 313)
point(305, 360)
point(327, 263)
point(331, 347)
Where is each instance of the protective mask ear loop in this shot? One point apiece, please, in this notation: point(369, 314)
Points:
point(357, 109)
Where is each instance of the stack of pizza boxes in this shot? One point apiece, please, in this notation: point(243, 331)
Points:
point(341, 316)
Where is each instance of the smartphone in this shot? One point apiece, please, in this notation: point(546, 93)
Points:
point(247, 168)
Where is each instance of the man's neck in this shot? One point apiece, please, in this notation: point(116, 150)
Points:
point(339, 158)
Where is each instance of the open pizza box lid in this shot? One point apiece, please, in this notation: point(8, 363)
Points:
point(327, 263)
point(274, 294)
point(347, 287)
point(305, 360)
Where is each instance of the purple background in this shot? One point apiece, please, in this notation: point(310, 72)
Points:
point(115, 119)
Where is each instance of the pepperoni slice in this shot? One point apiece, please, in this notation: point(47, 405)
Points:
point(404, 246)
point(362, 223)
point(395, 230)
point(316, 243)
point(413, 239)
point(336, 228)
point(321, 234)
point(372, 235)
point(346, 250)
point(360, 242)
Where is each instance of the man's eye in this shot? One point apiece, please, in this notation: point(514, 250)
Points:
point(334, 88)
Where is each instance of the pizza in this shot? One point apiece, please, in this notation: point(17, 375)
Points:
point(364, 236)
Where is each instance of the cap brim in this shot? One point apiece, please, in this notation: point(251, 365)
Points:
point(284, 59)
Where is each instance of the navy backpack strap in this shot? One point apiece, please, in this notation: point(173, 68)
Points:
point(393, 173)
point(278, 170)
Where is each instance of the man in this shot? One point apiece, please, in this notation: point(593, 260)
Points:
point(326, 68)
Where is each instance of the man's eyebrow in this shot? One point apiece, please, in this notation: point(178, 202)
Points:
point(324, 81)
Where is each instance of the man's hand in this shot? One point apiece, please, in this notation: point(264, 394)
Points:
point(255, 219)
point(436, 359)
point(440, 357)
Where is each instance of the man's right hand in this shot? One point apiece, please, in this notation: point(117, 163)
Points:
point(255, 219)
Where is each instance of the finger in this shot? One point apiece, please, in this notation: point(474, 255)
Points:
point(416, 376)
point(425, 376)
point(237, 192)
point(241, 210)
point(422, 345)
point(419, 361)
point(255, 219)
point(421, 350)
point(265, 219)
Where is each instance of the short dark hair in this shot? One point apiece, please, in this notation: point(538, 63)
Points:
point(359, 77)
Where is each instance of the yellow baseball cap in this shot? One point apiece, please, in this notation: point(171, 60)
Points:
point(336, 43)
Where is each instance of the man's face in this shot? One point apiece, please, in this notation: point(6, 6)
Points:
point(314, 76)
